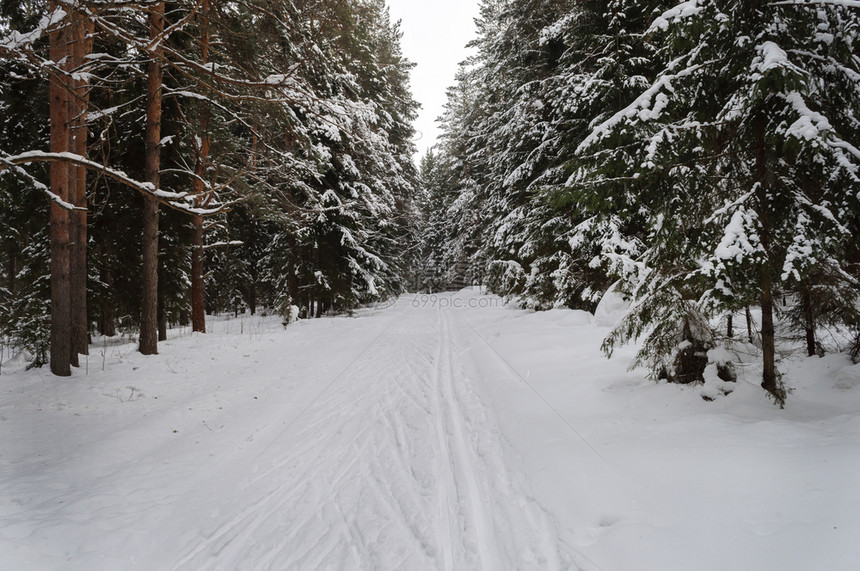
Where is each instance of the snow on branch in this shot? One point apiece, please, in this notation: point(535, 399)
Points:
point(223, 244)
point(168, 198)
point(812, 125)
point(844, 3)
point(5, 164)
point(648, 106)
point(16, 41)
point(676, 14)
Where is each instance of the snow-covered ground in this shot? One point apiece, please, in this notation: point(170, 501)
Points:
point(446, 432)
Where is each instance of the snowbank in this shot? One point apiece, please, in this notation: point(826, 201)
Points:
point(611, 309)
point(423, 436)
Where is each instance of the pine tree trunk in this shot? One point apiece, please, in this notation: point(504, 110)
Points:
point(81, 47)
point(748, 314)
point(768, 342)
point(198, 293)
point(61, 316)
point(107, 325)
point(809, 322)
point(149, 301)
point(198, 285)
point(730, 330)
point(769, 380)
point(162, 317)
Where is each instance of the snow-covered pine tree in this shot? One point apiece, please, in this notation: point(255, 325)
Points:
point(463, 158)
point(24, 241)
point(315, 100)
point(524, 237)
point(358, 211)
point(744, 148)
point(606, 61)
point(337, 191)
point(543, 72)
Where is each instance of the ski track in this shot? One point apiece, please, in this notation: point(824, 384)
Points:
point(399, 465)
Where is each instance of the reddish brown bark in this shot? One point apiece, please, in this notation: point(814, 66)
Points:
point(198, 292)
point(81, 46)
point(149, 297)
point(61, 348)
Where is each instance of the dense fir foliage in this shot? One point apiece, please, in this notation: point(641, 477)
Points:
point(286, 124)
point(700, 158)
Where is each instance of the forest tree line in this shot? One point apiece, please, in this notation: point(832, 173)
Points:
point(161, 160)
point(699, 158)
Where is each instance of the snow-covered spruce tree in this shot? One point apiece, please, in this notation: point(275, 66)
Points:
point(744, 150)
point(436, 184)
point(334, 181)
point(463, 158)
point(543, 72)
point(359, 210)
point(606, 61)
point(524, 237)
point(24, 242)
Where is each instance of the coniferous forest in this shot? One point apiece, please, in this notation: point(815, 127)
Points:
point(204, 156)
point(164, 160)
point(697, 158)
point(607, 318)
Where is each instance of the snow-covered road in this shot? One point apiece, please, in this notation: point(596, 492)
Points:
point(442, 433)
point(398, 464)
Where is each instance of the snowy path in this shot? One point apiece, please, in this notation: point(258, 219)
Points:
point(447, 433)
point(398, 465)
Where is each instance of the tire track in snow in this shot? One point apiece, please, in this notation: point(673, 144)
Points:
point(544, 548)
point(403, 466)
point(320, 484)
point(457, 456)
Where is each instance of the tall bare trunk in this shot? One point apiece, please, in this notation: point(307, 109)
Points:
point(748, 315)
point(768, 341)
point(809, 320)
point(61, 324)
point(81, 29)
point(769, 381)
point(149, 300)
point(107, 325)
point(198, 294)
point(162, 316)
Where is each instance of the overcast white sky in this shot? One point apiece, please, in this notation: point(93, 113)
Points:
point(435, 33)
